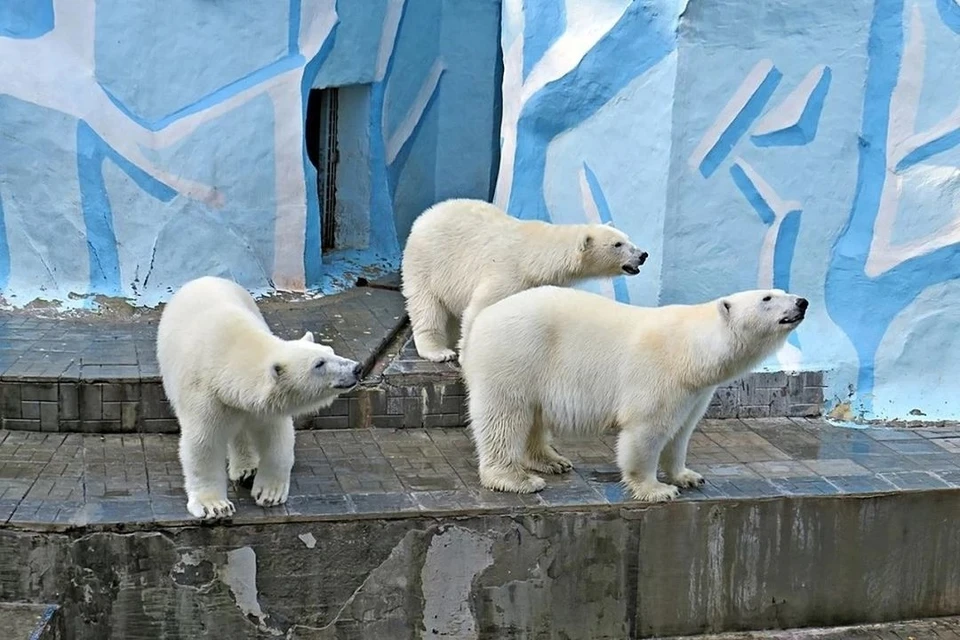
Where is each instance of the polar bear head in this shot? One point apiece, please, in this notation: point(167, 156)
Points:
point(762, 313)
point(307, 376)
point(607, 252)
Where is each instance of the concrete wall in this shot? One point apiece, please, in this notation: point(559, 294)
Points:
point(683, 568)
point(801, 145)
point(143, 144)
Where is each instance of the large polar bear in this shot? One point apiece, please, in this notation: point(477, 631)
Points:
point(235, 387)
point(463, 255)
point(555, 359)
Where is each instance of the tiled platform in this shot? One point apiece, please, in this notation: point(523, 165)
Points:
point(99, 374)
point(62, 481)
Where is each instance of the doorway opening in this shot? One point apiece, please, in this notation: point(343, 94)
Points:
point(323, 151)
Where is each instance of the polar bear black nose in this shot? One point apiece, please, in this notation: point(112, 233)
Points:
point(643, 257)
point(358, 371)
point(802, 303)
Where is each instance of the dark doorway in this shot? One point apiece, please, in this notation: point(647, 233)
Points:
point(320, 130)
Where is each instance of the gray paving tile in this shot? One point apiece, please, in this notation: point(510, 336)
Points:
point(914, 480)
point(913, 446)
point(374, 503)
point(805, 486)
point(860, 484)
point(835, 467)
point(782, 469)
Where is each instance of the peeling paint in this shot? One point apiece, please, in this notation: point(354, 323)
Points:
point(453, 561)
point(240, 574)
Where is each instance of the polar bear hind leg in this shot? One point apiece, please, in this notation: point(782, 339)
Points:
point(242, 459)
point(540, 454)
point(638, 449)
point(500, 432)
point(429, 320)
point(273, 440)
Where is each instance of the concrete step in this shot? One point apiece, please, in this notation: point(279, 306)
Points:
point(388, 534)
point(947, 628)
point(21, 621)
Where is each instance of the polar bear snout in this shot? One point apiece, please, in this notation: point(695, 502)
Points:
point(797, 313)
point(349, 375)
point(632, 266)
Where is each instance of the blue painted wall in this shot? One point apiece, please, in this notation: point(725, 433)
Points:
point(141, 148)
point(801, 145)
point(808, 146)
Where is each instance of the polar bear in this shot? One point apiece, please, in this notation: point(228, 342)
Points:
point(235, 388)
point(463, 255)
point(555, 359)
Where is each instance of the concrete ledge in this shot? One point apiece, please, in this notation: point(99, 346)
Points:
point(388, 534)
point(612, 573)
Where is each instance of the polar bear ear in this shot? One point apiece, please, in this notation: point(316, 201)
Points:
point(586, 240)
point(308, 336)
point(723, 306)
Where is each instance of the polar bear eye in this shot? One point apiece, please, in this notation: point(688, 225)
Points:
point(618, 245)
point(767, 298)
point(319, 365)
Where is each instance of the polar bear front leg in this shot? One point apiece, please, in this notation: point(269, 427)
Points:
point(428, 319)
point(673, 460)
point(638, 449)
point(274, 441)
point(242, 459)
point(203, 454)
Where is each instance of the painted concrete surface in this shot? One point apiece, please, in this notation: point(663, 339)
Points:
point(680, 569)
point(143, 145)
point(806, 146)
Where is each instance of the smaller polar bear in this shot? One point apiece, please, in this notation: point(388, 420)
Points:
point(463, 255)
point(554, 359)
point(235, 388)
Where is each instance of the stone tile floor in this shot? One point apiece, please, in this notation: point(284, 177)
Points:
point(931, 629)
point(357, 323)
point(67, 480)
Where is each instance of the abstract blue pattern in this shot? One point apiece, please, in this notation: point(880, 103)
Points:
point(789, 167)
point(204, 62)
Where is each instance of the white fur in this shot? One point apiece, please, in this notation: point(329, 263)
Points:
point(555, 359)
point(464, 255)
point(235, 388)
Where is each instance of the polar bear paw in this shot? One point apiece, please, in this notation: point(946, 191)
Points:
point(654, 491)
point(271, 493)
point(511, 480)
point(243, 476)
point(687, 478)
point(209, 506)
point(550, 462)
point(439, 355)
